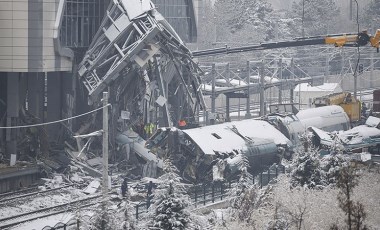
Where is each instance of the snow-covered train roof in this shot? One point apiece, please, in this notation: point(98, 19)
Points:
point(220, 138)
point(326, 87)
point(325, 116)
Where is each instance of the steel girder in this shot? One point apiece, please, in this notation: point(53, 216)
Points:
point(131, 33)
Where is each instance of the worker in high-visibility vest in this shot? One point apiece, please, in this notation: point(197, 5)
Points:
point(149, 128)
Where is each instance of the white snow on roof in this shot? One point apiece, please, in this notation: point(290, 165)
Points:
point(326, 87)
point(324, 136)
point(372, 121)
point(233, 82)
point(267, 79)
point(208, 87)
point(207, 138)
point(319, 112)
point(325, 117)
point(358, 134)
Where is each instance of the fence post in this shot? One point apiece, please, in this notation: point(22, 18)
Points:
point(268, 175)
point(195, 193)
point(64, 226)
point(212, 192)
point(204, 194)
point(253, 179)
point(261, 180)
point(147, 202)
point(221, 190)
point(78, 224)
point(137, 212)
point(276, 171)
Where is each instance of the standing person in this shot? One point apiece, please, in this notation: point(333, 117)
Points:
point(149, 193)
point(124, 187)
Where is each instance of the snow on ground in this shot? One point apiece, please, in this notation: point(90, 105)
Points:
point(43, 222)
point(321, 206)
point(39, 202)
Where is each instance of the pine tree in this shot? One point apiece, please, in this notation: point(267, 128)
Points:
point(347, 180)
point(246, 21)
point(307, 170)
point(319, 15)
point(245, 192)
point(170, 201)
point(371, 15)
point(332, 165)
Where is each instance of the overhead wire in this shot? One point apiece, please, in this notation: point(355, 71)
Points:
point(53, 122)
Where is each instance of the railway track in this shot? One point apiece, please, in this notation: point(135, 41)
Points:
point(31, 189)
point(18, 219)
point(8, 197)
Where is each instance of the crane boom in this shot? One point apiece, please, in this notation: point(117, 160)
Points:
point(338, 40)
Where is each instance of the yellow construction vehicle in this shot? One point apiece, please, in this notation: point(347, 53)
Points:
point(350, 104)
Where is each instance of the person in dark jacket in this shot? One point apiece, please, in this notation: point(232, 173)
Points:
point(124, 187)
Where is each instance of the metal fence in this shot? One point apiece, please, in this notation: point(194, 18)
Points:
point(206, 193)
point(73, 224)
point(200, 194)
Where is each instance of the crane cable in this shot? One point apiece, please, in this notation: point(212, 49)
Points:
point(53, 122)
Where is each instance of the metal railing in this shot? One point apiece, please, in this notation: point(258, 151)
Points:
point(200, 194)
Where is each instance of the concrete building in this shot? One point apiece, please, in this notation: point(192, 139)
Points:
point(41, 42)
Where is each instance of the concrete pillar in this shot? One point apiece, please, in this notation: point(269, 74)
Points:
point(13, 104)
point(36, 87)
point(228, 118)
point(3, 106)
point(54, 103)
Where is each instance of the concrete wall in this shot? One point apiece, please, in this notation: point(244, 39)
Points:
point(26, 37)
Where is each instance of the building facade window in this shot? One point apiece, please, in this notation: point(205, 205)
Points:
point(81, 21)
point(179, 13)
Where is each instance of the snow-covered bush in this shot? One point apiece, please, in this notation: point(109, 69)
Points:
point(170, 201)
point(103, 220)
point(170, 211)
point(332, 164)
point(307, 170)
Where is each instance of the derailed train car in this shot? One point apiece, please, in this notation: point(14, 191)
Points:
point(196, 151)
point(362, 138)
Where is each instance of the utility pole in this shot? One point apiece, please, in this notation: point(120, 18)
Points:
point(293, 76)
point(105, 150)
point(280, 77)
point(355, 83)
point(371, 57)
point(262, 89)
point(213, 96)
point(248, 112)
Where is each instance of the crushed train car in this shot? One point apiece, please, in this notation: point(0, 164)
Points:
point(362, 138)
point(196, 151)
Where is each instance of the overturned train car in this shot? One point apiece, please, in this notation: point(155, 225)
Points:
point(196, 151)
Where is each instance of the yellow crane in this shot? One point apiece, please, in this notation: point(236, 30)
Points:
point(350, 104)
point(338, 40)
